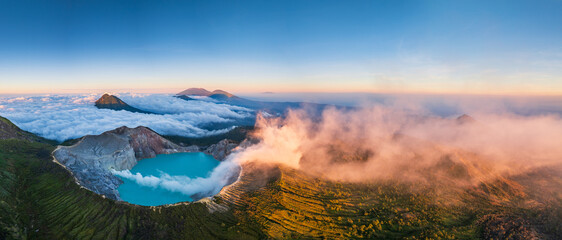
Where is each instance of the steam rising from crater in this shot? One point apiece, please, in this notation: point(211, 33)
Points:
point(204, 186)
point(379, 142)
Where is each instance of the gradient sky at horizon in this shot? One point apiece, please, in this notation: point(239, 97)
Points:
point(471, 47)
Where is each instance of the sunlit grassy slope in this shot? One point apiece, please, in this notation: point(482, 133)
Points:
point(299, 206)
point(40, 200)
point(294, 206)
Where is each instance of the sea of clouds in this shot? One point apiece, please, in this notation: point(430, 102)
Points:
point(62, 117)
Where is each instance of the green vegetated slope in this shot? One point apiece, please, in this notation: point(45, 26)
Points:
point(40, 200)
point(298, 206)
point(8, 130)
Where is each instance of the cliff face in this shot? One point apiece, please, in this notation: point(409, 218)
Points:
point(92, 158)
point(221, 149)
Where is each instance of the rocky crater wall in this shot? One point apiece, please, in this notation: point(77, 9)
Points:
point(92, 158)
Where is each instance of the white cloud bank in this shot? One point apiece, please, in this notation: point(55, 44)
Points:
point(62, 117)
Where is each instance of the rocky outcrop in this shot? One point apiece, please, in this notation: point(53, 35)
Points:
point(221, 149)
point(114, 103)
point(92, 158)
point(498, 226)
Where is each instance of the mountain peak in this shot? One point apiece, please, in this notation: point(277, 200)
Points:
point(195, 91)
point(204, 92)
point(218, 91)
point(108, 101)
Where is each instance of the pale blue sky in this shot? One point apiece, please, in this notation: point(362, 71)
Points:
point(498, 47)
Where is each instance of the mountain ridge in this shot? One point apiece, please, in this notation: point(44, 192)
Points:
point(203, 92)
point(9, 130)
point(273, 108)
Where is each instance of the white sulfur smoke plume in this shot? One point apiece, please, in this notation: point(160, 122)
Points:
point(207, 186)
point(379, 142)
point(382, 143)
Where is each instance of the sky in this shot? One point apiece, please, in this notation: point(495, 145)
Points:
point(468, 47)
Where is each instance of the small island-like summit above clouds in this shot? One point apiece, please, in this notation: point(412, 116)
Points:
point(204, 92)
point(114, 103)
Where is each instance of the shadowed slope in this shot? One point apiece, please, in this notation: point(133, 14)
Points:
point(8, 130)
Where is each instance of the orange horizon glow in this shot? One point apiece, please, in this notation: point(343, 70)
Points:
point(257, 90)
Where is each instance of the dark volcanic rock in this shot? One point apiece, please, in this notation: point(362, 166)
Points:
point(221, 149)
point(114, 103)
point(93, 157)
point(497, 226)
point(184, 97)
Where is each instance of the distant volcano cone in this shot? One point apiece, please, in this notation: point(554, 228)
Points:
point(218, 91)
point(195, 92)
point(204, 92)
point(110, 100)
point(114, 103)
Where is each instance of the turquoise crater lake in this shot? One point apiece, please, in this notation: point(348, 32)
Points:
point(164, 178)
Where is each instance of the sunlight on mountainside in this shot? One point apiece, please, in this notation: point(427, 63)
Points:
point(364, 119)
